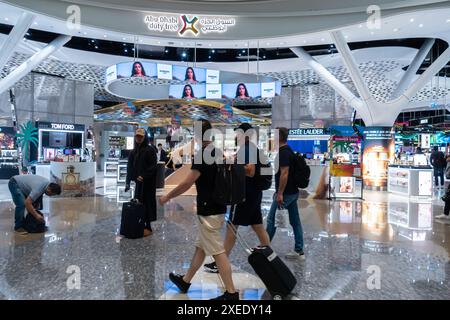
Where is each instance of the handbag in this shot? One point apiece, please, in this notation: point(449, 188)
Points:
point(282, 218)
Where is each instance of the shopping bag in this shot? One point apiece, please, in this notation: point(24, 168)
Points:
point(282, 218)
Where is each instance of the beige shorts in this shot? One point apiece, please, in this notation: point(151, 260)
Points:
point(209, 234)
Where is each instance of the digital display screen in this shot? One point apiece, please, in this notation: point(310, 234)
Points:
point(135, 69)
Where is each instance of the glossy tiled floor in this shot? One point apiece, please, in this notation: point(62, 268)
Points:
point(345, 241)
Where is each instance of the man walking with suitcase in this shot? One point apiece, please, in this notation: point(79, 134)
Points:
point(211, 217)
point(286, 195)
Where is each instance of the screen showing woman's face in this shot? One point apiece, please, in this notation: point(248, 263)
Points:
point(138, 69)
point(190, 74)
point(242, 91)
point(187, 91)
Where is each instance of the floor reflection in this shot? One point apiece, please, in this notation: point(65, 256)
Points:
point(343, 238)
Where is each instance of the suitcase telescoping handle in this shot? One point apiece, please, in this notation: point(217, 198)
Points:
point(140, 189)
point(241, 240)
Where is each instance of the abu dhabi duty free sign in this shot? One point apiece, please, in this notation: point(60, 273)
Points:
point(188, 24)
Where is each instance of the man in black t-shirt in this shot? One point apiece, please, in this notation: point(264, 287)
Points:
point(286, 195)
point(211, 217)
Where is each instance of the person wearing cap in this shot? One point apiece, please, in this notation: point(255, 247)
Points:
point(249, 212)
point(141, 169)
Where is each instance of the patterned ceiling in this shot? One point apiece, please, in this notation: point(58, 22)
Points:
point(378, 76)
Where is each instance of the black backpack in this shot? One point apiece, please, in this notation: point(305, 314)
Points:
point(32, 225)
point(263, 182)
point(229, 184)
point(302, 172)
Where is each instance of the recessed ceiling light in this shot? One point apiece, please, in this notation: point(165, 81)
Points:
point(346, 37)
point(411, 20)
point(304, 41)
point(360, 26)
point(421, 25)
point(85, 33)
point(209, 44)
point(124, 38)
point(35, 23)
point(213, 51)
point(6, 19)
point(448, 20)
point(96, 47)
point(105, 36)
point(323, 39)
point(268, 43)
point(372, 33)
point(159, 42)
point(395, 29)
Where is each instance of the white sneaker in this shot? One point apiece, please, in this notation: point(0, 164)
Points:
point(443, 216)
point(295, 255)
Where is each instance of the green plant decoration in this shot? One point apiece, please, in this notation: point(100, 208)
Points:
point(342, 146)
point(28, 134)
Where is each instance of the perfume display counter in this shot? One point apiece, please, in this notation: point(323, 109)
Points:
point(77, 179)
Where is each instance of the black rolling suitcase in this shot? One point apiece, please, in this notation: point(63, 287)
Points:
point(276, 276)
point(133, 219)
point(273, 272)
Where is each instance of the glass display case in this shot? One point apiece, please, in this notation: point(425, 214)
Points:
point(410, 181)
point(111, 168)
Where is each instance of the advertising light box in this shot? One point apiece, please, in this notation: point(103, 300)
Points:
point(111, 73)
point(164, 71)
point(213, 91)
point(268, 90)
point(212, 76)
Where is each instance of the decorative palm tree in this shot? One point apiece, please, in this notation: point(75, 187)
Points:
point(28, 134)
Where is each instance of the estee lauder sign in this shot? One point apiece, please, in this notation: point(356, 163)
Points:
point(193, 24)
point(308, 132)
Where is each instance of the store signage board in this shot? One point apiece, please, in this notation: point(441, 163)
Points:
point(111, 73)
point(268, 90)
point(212, 76)
point(164, 71)
point(60, 126)
point(192, 25)
point(308, 132)
point(213, 91)
point(425, 141)
point(346, 156)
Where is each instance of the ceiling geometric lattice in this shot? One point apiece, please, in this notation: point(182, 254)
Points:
point(376, 74)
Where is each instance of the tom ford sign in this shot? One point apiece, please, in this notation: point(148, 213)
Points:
point(60, 126)
point(188, 24)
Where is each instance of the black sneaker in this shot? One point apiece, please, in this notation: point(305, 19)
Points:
point(177, 279)
point(228, 296)
point(211, 267)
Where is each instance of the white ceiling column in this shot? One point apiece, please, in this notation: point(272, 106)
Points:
point(384, 114)
point(413, 67)
point(337, 85)
point(14, 37)
point(26, 67)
